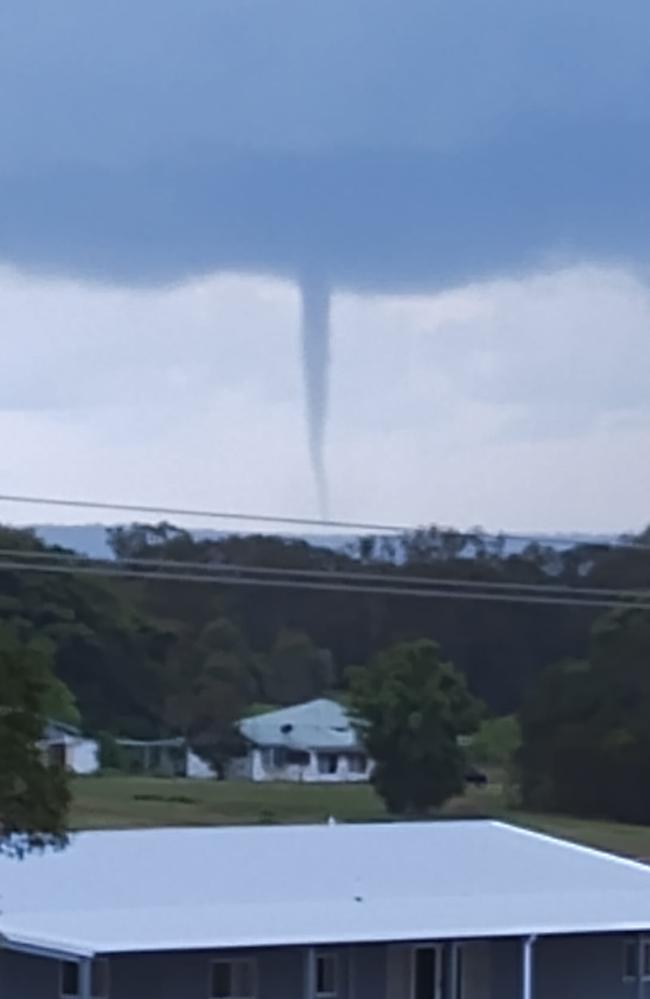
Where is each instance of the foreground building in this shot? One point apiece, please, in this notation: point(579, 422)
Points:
point(449, 910)
point(314, 742)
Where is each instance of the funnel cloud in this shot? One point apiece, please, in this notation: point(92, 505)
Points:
point(315, 298)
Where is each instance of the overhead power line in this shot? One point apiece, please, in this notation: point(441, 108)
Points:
point(217, 569)
point(247, 578)
point(169, 511)
point(567, 540)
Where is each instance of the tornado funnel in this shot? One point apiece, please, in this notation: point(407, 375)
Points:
point(315, 296)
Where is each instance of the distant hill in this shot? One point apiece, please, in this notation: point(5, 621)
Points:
point(90, 539)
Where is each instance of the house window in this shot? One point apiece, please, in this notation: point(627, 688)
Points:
point(326, 975)
point(274, 757)
point(631, 959)
point(70, 979)
point(233, 979)
point(297, 757)
point(328, 763)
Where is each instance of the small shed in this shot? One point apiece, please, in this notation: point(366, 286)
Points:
point(65, 746)
point(163, 758)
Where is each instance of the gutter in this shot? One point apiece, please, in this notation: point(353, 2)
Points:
point(54, 952)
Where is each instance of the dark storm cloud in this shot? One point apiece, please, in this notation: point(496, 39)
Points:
point(379, 143)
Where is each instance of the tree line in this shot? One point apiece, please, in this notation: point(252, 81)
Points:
point(152, 657)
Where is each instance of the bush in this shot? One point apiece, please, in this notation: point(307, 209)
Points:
point(111, 755)
point(496, 743)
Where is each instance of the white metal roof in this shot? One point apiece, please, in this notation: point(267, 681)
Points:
point(319, 724)
point(181, 889)
point(53, 730)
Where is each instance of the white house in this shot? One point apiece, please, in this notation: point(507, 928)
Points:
point(64, 745)
point(310, 742)
point(441, 910)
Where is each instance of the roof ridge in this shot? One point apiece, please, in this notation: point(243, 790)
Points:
point(569, 844)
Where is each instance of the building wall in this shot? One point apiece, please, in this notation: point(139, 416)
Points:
point(79, 756)
point(569, 966)
point(243, 767)
point(280, 974)
point(565, 968)
point(197, 767)
point(28, 977)
point(83, 756)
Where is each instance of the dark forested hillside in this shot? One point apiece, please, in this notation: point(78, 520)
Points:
point(149, 656)
point(109, 654)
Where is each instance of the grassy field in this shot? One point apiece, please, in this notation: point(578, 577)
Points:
point(132, 802)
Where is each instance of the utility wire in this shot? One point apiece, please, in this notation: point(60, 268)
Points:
point(203, 514)
point(228, 579)
point(566, 540)
point(208, 569)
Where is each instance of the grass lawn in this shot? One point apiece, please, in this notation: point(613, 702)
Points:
point(131, 802)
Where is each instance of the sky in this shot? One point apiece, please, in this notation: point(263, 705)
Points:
point(464, 185)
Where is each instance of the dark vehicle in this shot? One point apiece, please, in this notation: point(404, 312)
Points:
point(475, 777)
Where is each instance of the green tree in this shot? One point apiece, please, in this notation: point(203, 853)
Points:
point(556, 760)
point(211, 680)
point(59, 704)
point(586, 727)
point(411, 707)
point(107, 652)
point(111, 754)
point(496, 742)
point(296, 670)
point(33, 796)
